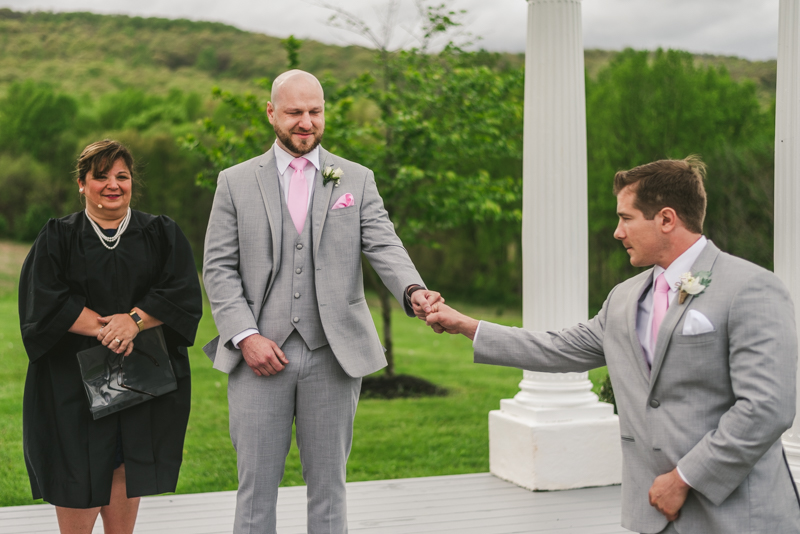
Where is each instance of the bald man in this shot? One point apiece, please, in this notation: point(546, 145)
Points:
point(282, 270)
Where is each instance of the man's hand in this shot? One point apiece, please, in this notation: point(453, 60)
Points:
point(263, 355)
point(445, 319)
point(422, 300)
point(668, 493)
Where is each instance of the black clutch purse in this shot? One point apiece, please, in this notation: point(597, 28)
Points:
point(114, 382)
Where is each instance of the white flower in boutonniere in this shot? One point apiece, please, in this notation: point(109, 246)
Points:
point(693, 284)
point(331, 175)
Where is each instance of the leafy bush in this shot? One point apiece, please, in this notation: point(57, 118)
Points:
point(648, 106)
point(23, 181)
point(607, 392)
point(28, 226)
point(33, 117)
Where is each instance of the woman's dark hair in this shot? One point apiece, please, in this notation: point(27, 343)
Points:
point(100, 156)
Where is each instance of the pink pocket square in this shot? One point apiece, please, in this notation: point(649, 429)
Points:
point(345, 201)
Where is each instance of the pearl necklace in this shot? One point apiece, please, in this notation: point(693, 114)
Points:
point(104, 239)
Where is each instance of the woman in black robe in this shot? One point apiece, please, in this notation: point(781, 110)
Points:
point(101, 276)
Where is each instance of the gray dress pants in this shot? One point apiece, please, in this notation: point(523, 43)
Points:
point(669, 529)
point(315, 393)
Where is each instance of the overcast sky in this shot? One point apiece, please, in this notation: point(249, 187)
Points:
point(746, 28)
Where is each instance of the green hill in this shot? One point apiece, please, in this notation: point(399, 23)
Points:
point(84, 53)
point(87, 54)
point(762, 73)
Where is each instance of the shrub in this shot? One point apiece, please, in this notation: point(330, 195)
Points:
point(35, 217)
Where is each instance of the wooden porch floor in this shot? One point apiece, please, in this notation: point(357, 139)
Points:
point(460, 504)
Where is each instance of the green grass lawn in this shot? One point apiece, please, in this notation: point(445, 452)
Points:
point(393, 439)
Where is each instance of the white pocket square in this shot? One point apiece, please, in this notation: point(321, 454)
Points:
point(696, 323)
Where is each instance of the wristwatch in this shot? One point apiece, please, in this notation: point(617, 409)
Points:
point(138, 320)
point(410, 291)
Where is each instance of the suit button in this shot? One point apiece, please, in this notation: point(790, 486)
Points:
point(654, 403)
point(296, 319)
point(298, 270)
point(299, 246)
point(297, 295)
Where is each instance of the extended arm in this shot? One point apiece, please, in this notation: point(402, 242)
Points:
point(575, 349)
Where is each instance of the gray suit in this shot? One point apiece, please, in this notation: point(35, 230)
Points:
point(306, 293)
point(715, 404)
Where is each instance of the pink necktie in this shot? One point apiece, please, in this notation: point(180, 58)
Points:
point(298, 194)
point(660, 305)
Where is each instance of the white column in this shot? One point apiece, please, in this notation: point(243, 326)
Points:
point(787, 180)
point(555, 434)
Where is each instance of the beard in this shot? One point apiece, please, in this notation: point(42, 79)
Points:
point(304, 146)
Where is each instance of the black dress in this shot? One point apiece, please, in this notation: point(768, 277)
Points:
point(70, 456)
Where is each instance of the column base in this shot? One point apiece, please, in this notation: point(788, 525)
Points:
point(555, 455)
point(793, 457)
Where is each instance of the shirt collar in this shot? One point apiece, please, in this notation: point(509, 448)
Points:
point(283, 158)
point(682, 264)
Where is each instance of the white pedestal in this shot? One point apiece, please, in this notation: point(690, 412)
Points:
point(555, 435)
point(554, 456)
point(791, 444)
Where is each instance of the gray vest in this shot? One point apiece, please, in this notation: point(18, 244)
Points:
point(292, 301)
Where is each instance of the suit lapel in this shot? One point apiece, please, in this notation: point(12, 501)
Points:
point(633, 312)
point(676, 310)
point(321, 201)
point(269, 184)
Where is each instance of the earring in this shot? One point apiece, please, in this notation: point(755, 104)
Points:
point(80, 190)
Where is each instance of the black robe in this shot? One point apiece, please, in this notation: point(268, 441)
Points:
point(70, 456)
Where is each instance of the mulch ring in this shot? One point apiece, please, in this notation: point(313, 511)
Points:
point(398, 386)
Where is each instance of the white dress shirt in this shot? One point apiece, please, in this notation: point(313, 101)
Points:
point(644, 316)
point(282, 160)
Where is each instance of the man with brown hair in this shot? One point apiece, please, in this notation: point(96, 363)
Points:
point(702, 351)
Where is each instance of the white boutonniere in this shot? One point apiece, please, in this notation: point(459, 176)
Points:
point(331, 175)
point(693, 284)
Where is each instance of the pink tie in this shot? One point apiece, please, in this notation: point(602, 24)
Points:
point(298, 194)
point(660, 305)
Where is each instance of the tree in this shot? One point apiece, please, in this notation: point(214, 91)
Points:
point(34, 118)
point(292, 47)
point(435, 131)
point(38, 130)
point(647, 106)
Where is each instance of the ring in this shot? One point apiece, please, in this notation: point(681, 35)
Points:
point(117, 340)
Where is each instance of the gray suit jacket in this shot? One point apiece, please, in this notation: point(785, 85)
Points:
point(714, 404)
point(242, 256)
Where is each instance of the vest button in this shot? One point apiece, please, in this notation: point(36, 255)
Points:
point(654, 403)
point(299, 246)
point(296, 319)
point(298, 270)
point(297, 295)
